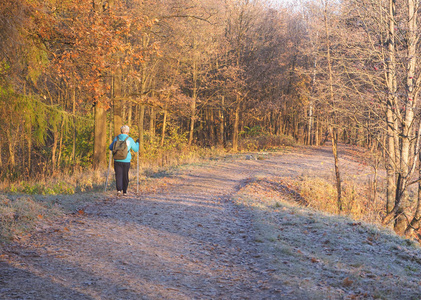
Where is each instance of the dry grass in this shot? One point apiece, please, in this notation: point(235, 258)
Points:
point(357, 199)
point(316, 193)
point(19, 215)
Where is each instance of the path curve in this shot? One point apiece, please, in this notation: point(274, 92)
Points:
point(185, 241)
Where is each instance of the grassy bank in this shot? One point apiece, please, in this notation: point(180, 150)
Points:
point(325, 256)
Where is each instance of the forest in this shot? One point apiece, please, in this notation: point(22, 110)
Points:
point(239, 75)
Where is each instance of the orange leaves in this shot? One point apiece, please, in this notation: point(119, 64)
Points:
point(86, 44)
point(347, 282)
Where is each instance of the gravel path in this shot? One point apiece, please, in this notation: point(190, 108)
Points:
point(187, 240)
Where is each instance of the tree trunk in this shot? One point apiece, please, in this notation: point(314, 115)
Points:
point(12, 141)
point(60, 147)
point(236, 126)
point(221, 123)
point(390, 162)
point(194, 98)
point(211, 126)
point(29, 146)
point(141, 128)
point(192, 118)
point(100, 137)
point(164, 124)
point(1, 160)
point(334, 133)
point(408, 154)
point(280, 123)
point(310, 124)
point(406, 134)
point(374, 187)
point(152, 122)
point(54, 149)
point(117, 105)
point(310, 107)
point(129, 113)
point(415, 223)
point(74, 126)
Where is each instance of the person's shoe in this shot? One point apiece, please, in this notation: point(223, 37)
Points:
point(124, 194)
point(118, 193)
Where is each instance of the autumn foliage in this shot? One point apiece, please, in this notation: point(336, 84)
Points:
point(190, 70)
point(226, 74)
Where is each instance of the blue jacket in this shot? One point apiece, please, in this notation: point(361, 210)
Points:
point(131, 146)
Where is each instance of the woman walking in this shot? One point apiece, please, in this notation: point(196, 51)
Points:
point(122, 166)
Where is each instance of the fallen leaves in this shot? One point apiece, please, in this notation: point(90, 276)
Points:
point(347, 282)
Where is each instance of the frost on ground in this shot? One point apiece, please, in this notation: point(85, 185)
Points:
point(219, 231)
point(330, 257)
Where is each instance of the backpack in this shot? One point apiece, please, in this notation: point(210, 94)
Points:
point(120, 149)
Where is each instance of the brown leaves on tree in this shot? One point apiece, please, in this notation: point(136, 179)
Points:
point(87, 45)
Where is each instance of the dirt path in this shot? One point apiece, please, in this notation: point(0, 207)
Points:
point(185, 241)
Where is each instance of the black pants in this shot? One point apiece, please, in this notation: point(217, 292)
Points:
point(121, 175)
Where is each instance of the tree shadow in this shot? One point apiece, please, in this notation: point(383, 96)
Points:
point(21, 284)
